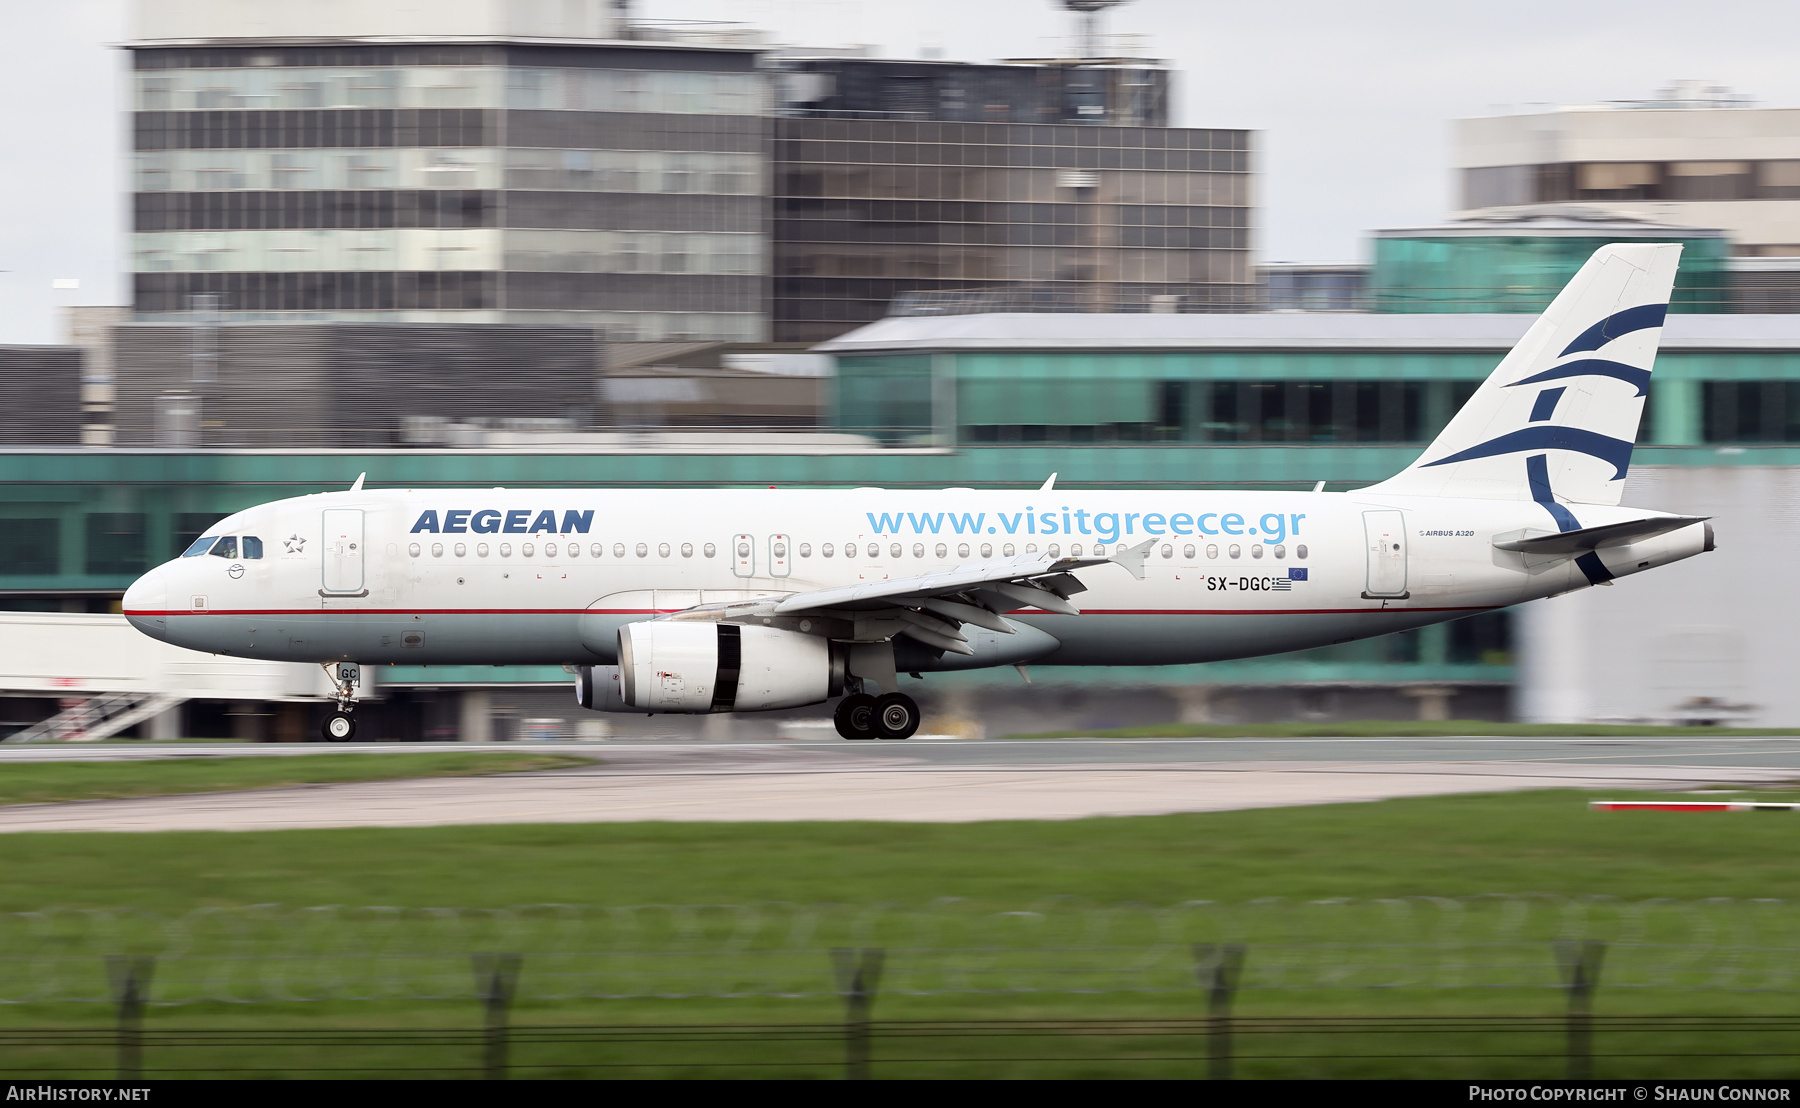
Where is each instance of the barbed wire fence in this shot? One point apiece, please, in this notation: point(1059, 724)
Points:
point(494, 958)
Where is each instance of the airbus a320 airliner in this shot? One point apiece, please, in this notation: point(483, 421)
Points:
point(744, 600)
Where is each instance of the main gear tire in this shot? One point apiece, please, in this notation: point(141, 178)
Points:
point(339, 727)
point(855, 716)
point(896, 716)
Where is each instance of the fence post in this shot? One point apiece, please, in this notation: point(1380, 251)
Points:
point(130, 979)
point(497, 979)
point(1218, 967)
point(1580, 964)
point(858, 976)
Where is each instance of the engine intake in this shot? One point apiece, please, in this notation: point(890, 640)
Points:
point(667, 666)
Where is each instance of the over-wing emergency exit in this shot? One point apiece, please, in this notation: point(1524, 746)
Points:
point(753, 599)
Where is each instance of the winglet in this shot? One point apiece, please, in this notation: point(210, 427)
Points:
point(359, 480)
point(1050, 484)
point(1135, 559)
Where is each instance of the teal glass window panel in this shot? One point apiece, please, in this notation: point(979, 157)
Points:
point(28, 547)
point(1750, 411)
point(115, 542)
point(889, 396)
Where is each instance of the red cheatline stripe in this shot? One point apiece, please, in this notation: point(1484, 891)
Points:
point(664, 611)
point(1691, 806)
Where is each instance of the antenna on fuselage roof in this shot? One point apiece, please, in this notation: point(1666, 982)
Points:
point(1049, 484)
point(357, 487)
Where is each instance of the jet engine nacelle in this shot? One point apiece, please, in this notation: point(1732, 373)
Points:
point(598, 688)
point(668, 666)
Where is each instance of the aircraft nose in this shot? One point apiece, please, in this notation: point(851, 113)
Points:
point(146, 602)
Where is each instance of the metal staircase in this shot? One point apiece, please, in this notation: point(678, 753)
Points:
point(97, 717)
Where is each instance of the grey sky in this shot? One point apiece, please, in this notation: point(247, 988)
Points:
point(1353, 100)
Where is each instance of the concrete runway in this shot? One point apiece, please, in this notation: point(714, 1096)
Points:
point(933, 781)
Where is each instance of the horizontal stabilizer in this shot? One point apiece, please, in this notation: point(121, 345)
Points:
point(1587, 538)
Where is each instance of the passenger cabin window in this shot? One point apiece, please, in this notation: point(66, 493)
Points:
point(225, 547)
point(252, 546)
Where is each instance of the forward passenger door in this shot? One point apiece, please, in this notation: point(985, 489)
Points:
point(341, 560)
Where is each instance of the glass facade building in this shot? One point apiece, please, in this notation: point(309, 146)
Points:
point(1520, 265)
point(1117, 92)
point(1071, 216)
point(620, 187)
point(1359, 385)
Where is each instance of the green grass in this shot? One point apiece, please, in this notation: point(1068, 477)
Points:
point(1545, 841)
point(1377, 728)
point(45, 782)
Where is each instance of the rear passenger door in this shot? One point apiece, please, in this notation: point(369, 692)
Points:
point(1385, 535)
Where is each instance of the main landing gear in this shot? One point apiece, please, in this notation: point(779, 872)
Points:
point(891, 716)
point(340, 725)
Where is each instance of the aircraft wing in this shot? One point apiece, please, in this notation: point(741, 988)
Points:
point(1035, 572)
point(1587, 538)
point(933, 606)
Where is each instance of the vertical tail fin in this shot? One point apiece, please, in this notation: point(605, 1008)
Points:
point(1557, 419)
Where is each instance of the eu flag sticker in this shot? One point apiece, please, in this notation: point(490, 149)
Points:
point(1296, 573)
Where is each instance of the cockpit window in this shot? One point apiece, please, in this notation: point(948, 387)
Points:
point(201, 546)
point(225, 547)
point(252, 546)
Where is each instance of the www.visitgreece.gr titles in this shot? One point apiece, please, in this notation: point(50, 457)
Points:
point(1106, 526)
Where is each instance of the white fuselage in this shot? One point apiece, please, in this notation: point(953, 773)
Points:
point(499, 577)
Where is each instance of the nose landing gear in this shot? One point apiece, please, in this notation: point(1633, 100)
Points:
point(340, 726)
